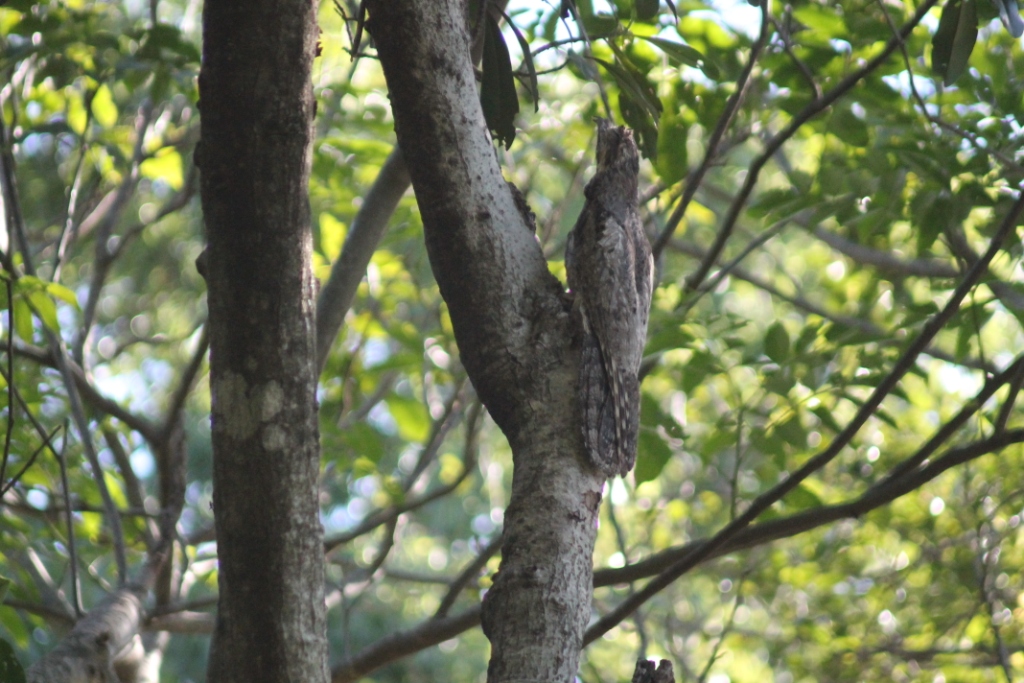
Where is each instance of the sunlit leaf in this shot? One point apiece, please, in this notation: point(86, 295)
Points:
point(103, 107)
point(165, 166)
point(411, 417)
point(46, 309)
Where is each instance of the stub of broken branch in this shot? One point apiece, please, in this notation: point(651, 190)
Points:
point(645, 672)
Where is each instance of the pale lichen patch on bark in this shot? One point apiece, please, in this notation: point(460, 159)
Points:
point(231, 395)
point(274, 438)
point(272, 401)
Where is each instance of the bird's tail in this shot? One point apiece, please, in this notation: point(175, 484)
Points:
point(609, 397)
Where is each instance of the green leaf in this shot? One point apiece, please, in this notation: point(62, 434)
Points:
point(5, 583)
point(46, 309)
point(498, 90)
point(365, 442)
point(670, 337)
point(802, 498)
point(954, 40)
point(59, 291)
point(672, 162)
point(630, 79)
point(531, 70)
point(826, 417)
point(678, 53)
point(823, 21)
point(11, 670)
point(165, 165)
point(847, 127)
point(635, 116)
point(411, 417)
point(652, 456)
point(103, 107)
point(776, 342)
point(22, 319)
point(701, 365)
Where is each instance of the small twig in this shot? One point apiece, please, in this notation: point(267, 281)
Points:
point(386, 515)
point(936, 120)
point(638, 618)
point(132, 486)
point(711, 152)
point(471, 572)
point(11, 416)
point(779, 139)
point(713, 657)
point(867, 409)
point(76, 591)
point(68, 232)
point(1016, 381)
point(185, 383)
point(4, 487)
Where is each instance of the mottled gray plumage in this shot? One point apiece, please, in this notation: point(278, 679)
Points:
point(610, 271)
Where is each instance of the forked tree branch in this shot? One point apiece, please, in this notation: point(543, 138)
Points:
point(779, 139)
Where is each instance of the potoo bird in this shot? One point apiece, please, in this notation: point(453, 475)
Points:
point(610, 272)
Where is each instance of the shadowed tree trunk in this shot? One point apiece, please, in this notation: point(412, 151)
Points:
point(257, 112)
point(512, 324)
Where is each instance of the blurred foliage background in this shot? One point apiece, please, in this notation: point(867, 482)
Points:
point(850, 182)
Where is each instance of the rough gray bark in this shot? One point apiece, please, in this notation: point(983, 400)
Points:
point(512, 324)
point(257, 112)
point(103, 647)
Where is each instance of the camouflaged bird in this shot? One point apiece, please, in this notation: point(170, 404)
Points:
point(610, 272)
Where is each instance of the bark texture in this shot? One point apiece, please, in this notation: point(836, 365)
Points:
point(512, 323)
point(103, 647)
point(257, 111)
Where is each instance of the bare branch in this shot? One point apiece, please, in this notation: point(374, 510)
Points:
point(92, 395)
point(767, 499)
point(778, 140)
point(711, 153)
point(367, 229)
point(404, 643)
point(883, 260)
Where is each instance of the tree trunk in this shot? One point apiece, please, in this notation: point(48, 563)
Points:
point(257, 113)
point(513, 326)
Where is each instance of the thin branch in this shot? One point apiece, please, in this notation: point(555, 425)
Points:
point(769, 498)
point(711, 152)
point(11, 411)
point(185, 383)
point(813, 308)
point(132, 486)
point(975, 141)
point(104, 227)
point(756, 535)
point(91, 395)
point(433, 631)
point(403, 643)
point(70, 229)
point(76, 589)
point(884, 260)
point(387, 515)
point(12, 203)
point(5, 487)
point(364, 235)
point(776, 142)
point(470, 573)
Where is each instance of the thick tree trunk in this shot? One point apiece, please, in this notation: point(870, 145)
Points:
point(512, 324)
point(257, 111)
